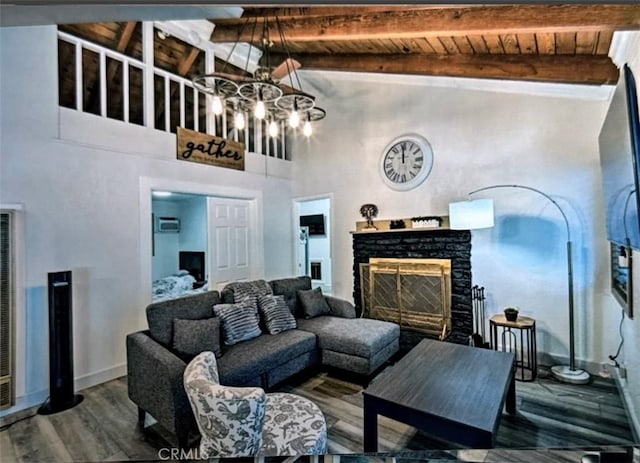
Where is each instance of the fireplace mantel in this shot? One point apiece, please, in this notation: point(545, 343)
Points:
point(384, 225)
point(399, 230)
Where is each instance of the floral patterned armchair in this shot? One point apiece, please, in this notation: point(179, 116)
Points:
point(245, 421)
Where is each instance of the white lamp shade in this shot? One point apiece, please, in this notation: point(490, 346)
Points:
point(471, 215)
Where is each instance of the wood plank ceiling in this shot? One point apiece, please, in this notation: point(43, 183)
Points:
point(544, 43)
point(548, 43)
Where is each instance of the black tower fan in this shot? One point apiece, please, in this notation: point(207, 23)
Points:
point(61, 388)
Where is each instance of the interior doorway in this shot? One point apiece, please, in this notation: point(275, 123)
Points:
point(253, 259)
point(179, 251)
point(312, 218)
point(199, 243)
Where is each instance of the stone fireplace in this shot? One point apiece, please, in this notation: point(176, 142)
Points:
point(450, 255)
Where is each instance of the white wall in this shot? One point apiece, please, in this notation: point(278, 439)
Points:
point(165, 256)
point(193, 225)
point(544, 137)
point(81, 197)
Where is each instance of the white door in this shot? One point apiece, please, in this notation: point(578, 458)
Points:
point(229, 240)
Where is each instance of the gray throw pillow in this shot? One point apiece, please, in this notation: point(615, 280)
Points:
point(276, 314)
point(191, 337)
point(313, 303)
point(240, 322)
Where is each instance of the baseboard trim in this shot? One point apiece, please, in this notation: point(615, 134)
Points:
point(82, 382)
point(100, 376)
point(632, 415)
point(23, 403)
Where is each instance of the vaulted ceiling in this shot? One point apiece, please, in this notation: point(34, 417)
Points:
point(548, 43)
point(544, 43)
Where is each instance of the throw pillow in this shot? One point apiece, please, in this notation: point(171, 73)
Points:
point(242, 290)
point(191, 337)
point(313, 303)
point(276, 314)
point(240, 322)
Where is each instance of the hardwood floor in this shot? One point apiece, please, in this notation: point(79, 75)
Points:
point(549, 414)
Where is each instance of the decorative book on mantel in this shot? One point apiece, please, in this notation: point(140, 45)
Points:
point(425, 223)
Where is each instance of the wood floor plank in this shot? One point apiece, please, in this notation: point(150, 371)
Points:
point(83, 434)
point(549, 415)
point(7, 452)
point(36, 439)
point(119, 423)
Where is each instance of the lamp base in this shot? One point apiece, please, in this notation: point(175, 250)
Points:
point(567, 375)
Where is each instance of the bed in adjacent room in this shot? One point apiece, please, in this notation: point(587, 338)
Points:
point(178, 285)
point(190, 279)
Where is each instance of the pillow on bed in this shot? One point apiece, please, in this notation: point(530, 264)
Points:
point(276, 314)
point(191, 337)
point(240, 322)
point(313, 303)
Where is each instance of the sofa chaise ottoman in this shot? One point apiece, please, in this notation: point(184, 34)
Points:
point(358, 345)
point(333, 337)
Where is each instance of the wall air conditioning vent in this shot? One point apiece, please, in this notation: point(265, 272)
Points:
point(168, 225)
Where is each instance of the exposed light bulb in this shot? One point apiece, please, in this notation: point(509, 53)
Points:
point(216, 105)
point(260, 110)
point(294, 119)
point(307, 130)
point(238, 120)
point(273, 129)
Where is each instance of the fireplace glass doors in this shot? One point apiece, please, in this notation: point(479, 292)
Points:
point(414, 293)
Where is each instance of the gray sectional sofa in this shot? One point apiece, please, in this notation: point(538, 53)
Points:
point(337, 339)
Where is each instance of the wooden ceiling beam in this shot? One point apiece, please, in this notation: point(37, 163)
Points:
point(594, 70)
point(500, 19)
point(311, 11)
point(125, 36)
point(185, 64)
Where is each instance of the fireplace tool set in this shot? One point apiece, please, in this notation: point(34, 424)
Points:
point(478, 338)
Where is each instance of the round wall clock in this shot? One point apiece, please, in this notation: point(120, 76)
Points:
point(406, 162)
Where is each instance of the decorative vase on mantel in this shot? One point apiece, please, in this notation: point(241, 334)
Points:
point(511, 314)
point(369, 211)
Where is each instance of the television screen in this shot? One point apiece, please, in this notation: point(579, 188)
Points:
point(314, 222)
point(619, 153)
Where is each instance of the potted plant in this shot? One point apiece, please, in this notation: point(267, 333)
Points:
point(511, 314)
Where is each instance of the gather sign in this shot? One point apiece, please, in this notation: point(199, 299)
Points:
point(207, 149)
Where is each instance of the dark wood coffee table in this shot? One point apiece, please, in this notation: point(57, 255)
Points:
point(451, 391)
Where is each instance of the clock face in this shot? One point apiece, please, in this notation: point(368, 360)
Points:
point(406, 162)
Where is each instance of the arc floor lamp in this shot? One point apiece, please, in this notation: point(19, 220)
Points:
point(472, 214)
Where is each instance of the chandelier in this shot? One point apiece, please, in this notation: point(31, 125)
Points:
point(263, 94)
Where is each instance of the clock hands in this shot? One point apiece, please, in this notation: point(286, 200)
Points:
point(403, 163)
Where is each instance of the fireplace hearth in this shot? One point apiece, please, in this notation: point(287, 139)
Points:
point(443, 244)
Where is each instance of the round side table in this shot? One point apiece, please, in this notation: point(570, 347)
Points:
point(518, 337)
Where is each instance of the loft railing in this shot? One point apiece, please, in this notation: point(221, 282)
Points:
point(113, 85)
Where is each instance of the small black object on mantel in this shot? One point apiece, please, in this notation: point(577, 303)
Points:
point(397, 224)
